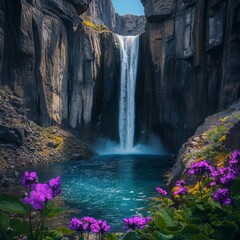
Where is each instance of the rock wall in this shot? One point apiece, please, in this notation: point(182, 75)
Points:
point(103, 12)
point(64, 71)
point(129, 24)
point(189, 65)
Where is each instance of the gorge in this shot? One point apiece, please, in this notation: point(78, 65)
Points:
point(110, 103)
point(73, 71)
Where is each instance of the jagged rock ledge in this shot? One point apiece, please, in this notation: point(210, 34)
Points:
point(213, 141)
point(23, 143)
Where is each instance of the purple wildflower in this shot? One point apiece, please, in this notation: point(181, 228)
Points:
point(161, 191)
point(234, 162)
point(135, 223)
point(100, 227)
point(88, 222)
point(45, 190)
point(76, 225)
point(55, 184)
point(40, 194)
point(104, 228)
point(29, 179)
point(222, 196)
point(224, 176)
point(199, 168)
point(181, 191)
point(181, 183)
point(35, 199)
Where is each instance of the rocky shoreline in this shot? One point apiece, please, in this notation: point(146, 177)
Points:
point(24, 143)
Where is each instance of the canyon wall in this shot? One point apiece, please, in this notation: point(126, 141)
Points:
point(189, 65)
point(65, 72)
point(103, 12)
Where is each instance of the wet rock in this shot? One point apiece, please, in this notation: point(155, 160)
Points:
point(11, 136)
point(52, 144)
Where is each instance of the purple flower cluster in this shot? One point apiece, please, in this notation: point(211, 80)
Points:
point(225, 177)
point(41, 193)
point(181, 188)
point(135, 223)
point(29, 179)
point(222, 196)
point(161, 191)
point(55, 184)
point(181, 183)
point(234, 162)
point(199, 168)
point(89, 224)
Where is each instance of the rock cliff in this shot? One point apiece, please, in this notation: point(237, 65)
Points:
point(64, 70)
point(129, 24)
point(103, 12)
point(189, 65)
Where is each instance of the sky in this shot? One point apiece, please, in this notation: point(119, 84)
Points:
point(128, 6)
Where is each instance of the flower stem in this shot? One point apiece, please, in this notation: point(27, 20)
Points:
point(30, 223)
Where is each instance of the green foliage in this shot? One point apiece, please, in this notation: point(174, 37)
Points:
point(12, 204)
point(20, 227)
point(195, 216)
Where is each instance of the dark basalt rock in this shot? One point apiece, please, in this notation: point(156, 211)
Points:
point(102, 12)
point(232, 138)
point(11, 135)
point(130, 24)
point(189, 66)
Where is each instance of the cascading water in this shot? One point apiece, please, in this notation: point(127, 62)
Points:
point(129, 46)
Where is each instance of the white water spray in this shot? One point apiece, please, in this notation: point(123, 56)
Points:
point(129, 46)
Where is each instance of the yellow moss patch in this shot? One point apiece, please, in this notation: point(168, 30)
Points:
point(220, 159)
point(99, 28)
point(47, 136)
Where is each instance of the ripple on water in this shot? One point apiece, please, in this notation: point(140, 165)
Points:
point(110, 187)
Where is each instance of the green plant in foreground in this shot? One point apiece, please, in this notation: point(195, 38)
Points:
point(27, 217)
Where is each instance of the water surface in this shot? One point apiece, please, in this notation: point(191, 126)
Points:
point(110, 187)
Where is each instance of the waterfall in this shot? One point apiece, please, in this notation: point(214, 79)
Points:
point(128, 46)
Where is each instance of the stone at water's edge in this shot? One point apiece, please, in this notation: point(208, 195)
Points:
point(23, 143)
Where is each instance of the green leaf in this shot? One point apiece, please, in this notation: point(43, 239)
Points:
point(167, 215)
point(189, 231)
point(194, 221)
point(200, 206)
point(65, 231)
point(4, 222)
point(48, 238)
point(54, 234)
point(165, 237)
point(19, 227)
point(199, 236)
point(214, 204)
point(56, 212)
point(235, 189)
point(12, 204)
point(111, 236)
point(227, 230)
point(130, 236)
point(160, 222)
